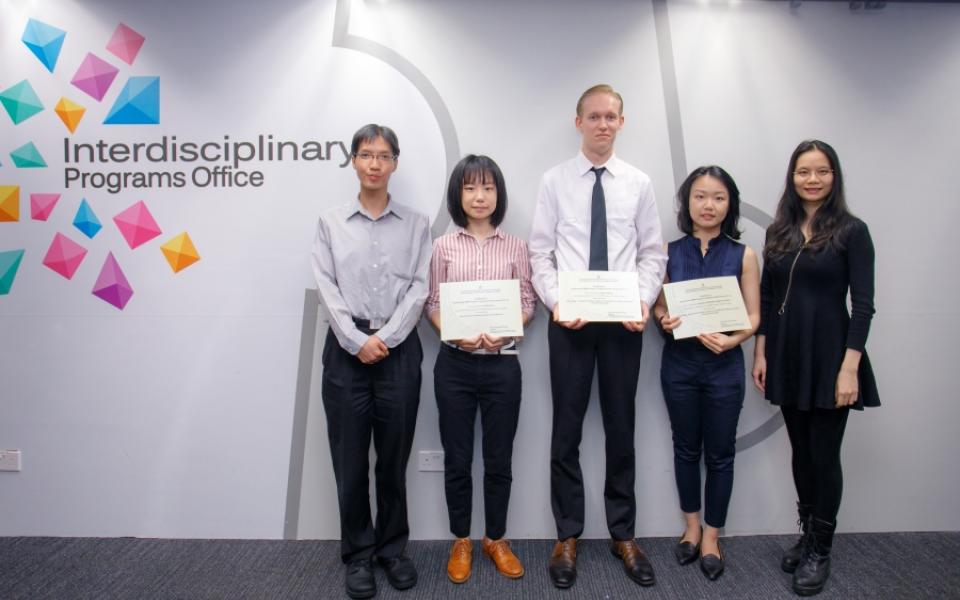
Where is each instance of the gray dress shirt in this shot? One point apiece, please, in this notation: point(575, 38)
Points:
point(374, 269)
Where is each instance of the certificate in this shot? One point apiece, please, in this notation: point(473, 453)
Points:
point(599, 296)
point(706, 305)
point(468, 308)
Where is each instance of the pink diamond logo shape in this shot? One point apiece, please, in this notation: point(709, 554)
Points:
point(41, 205)
point(137, 225)
point(125, 43)
point(94, 76)
point(64, 255)
point(112, 285)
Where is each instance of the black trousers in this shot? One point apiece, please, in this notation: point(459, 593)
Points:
point(573, 355)
point(463, 382)
point(815, 437)
point(382, 400)
point(704, 394)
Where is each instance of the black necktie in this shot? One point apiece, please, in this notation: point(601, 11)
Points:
point(598, 225)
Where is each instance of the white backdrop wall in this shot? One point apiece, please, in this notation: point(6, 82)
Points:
point(178, 416)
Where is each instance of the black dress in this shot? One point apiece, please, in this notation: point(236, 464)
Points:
point(809, 331)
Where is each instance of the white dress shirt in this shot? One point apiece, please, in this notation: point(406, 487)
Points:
point(372, 269)
point(560, 237)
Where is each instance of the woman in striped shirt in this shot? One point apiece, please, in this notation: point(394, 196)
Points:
point(482, 371)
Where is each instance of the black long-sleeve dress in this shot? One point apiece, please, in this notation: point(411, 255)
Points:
point(807, 333)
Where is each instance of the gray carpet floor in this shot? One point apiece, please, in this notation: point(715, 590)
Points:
point(887, 565)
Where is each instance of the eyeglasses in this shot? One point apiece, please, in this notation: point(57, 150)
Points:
point(368, 156)
point(806, 173)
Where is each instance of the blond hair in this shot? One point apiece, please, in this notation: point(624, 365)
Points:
point(601, 88)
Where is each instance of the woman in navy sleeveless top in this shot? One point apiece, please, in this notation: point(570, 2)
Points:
point(703, 377)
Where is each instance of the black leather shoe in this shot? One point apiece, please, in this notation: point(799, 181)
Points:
point(635, 563)
point(563, 563)
point(400, 571)
point(712, 565)
point(359, 581)
point(687, 552)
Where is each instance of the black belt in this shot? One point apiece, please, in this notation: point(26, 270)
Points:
point(368, 324)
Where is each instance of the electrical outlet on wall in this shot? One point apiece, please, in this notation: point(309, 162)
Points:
point(430, 460)
point(10, 460)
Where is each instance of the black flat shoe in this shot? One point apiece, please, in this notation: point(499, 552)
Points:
point(687, 552)
point(359, 581)
point(712, 565)
point(400, 571)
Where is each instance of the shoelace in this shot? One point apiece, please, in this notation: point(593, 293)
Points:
point(461, 550)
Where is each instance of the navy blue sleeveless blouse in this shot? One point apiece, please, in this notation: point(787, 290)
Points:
point(685, 261)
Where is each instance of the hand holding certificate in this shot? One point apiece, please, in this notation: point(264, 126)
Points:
point(600, 296)
point(469, 308)
point(708, 305)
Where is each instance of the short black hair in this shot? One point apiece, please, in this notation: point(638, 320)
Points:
point(472, 169)
point(370, 132)
point(731, 223)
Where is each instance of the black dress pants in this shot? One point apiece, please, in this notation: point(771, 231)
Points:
point(463, 382)
point(573, 354)
point(379, 399)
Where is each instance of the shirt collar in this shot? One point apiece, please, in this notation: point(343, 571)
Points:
point(497, 232)
point(392, 209)
point(584, 165)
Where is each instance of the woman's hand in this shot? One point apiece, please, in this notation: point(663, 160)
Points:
point(493, 343)
point(718, 343)
point(668, 323)
point(760, 372)
point(848, 388)
point(470, 344)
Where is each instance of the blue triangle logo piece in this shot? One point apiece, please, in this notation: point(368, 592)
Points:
point(44, 41)
point(137, 104)
point(86, 220)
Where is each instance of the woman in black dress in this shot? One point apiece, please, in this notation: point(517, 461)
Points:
point(809, 357)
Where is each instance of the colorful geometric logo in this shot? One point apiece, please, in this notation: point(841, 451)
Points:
point(28, 157)
point(180, 252)
point(44, 41)
point(125, 43)
point(64, 255)
point(137, 225)
point(9, 263)
point(70, 113)
point(41, 205)
point(94, 76)
point(86, 220)
point(9, 203)
point(21, 102)
point(112, 285)
point(137, 104)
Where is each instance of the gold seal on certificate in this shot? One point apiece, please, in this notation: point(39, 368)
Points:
point(468, 308)
point(709, 305)
point(600, 296)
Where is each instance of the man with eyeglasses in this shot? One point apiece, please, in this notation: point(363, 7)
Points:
point(595, 212)
point(371, 259)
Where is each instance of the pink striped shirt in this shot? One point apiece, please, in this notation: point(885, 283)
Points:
point(458, 256)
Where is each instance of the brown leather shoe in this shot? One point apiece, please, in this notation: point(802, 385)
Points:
point(635, 562)
point(500, 553)
point(461, 559)
point(563, 563)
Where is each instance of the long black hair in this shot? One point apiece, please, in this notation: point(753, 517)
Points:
point(730, 226)
point(829, 222)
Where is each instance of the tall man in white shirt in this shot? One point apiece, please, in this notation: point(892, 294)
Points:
point(371, 260)
point(595, 212)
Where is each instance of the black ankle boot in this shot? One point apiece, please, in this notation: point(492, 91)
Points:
point(814, 568)
point(791, 556)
